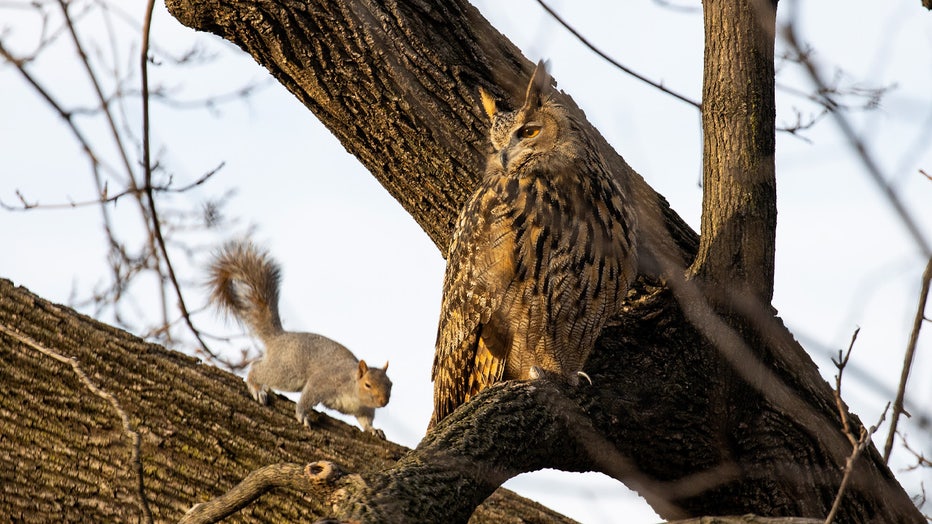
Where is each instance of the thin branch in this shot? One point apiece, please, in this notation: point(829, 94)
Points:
point(147, 166)
point(789, 32)
point(162, 95)
point(859, 443)
point(908, 359)
point(116, 249)
point(614, 62)
point(85, 61)
point(66, 115)
point(105, 198)
point(96, 164)
point(124, 417)
point(840, 364)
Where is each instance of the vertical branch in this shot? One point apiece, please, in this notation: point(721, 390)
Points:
point(738, 117)
point(908, 359)
point(147, 167)
point(859, 443)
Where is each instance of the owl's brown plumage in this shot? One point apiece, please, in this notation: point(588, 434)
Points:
point(541, 258)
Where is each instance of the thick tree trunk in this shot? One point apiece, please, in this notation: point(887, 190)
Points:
point(739, 194)
point(66, 456)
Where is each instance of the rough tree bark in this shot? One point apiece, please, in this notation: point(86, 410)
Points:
point(697, 417)
point(65, 455)
point(736, 250)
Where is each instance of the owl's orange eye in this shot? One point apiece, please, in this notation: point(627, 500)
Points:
point(529, 131)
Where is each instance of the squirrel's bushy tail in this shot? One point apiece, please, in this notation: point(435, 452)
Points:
point(244, 282)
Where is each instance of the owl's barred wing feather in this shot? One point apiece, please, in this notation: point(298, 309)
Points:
point(470, 354)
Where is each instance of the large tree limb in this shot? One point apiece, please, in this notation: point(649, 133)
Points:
point(672, 404)
point(64, 446)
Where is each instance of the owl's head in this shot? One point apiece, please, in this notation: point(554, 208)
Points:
point(537, 131)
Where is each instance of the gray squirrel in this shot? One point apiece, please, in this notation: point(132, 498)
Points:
point(244, 283)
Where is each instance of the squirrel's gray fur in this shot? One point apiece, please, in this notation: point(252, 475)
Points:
point(244, 283)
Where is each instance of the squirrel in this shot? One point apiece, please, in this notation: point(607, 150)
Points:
point(244, 283)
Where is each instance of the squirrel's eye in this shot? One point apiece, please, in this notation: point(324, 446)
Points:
point(529, 131)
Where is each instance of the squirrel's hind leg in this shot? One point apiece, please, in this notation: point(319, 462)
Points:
point(304, 409)
point(259, 391)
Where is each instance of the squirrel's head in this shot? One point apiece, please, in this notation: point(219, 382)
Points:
point(373, 385)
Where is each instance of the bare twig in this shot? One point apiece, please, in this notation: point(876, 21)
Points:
point(614, 62)
point(840, 364)
point(908, 359)
point(124, 417)
point(96, 164)
point(872, 168)
point(147, 166)
point(66, 115)
point(921, 460)
point(102, 99)
point(859, 443)
point(105, 197)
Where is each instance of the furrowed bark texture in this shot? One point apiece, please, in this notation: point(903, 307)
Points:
point(738, 115)
point(698, 428)
point(66, 457)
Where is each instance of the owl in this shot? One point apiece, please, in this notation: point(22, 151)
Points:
point(542, 254)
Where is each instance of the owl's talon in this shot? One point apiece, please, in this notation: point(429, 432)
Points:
point(585, 376)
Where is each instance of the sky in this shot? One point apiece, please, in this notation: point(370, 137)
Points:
point(358, 269)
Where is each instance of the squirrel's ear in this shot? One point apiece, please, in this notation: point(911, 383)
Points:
point(363, 369)
point(385, 367)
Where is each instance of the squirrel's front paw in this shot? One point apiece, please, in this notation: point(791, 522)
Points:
point(261, 396)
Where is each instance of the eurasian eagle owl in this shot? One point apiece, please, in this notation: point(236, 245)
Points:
point(542, 255)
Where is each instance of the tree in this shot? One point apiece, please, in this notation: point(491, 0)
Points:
point(698, 434)
point(778, 390)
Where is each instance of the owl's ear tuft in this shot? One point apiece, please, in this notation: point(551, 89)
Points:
point(488, 103)
point(540, 81)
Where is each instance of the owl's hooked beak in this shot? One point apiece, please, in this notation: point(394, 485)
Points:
point(503, 157)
